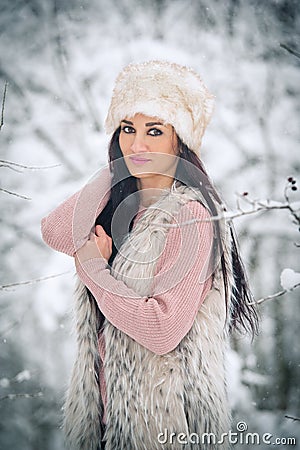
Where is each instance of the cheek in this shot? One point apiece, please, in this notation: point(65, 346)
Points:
point(121, 143)
point(124, 143)
point(169, 148)
point(168, 145)
point(163, 145)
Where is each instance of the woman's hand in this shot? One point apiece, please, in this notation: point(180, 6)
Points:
point(99, 245)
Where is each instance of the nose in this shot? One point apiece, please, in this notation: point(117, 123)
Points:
point(139, 145)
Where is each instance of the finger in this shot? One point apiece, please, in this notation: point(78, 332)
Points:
point(100, 230)
point(110, 244)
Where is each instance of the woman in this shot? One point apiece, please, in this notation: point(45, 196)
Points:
point(161, 280)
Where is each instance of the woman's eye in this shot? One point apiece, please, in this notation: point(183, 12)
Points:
point(155, 132)
point(127, 129)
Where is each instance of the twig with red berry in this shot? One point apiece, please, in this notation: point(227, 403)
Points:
point(256, 206)
point(263, 205)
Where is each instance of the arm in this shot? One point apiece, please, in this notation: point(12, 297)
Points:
point(160, 322)
point(68, 226)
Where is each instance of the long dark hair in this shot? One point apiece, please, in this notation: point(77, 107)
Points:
point(191, 172)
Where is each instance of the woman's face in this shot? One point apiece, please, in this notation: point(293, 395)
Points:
point(149, 148)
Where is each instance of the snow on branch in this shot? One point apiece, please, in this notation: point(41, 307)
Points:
point(12, 165)
point(276, 295)
point(265, 205)
point(36, 280)
point(256, 206)
point(24, 197)
point(290, 280)
point(19, 167)
point(22, 376)
point(14, 396)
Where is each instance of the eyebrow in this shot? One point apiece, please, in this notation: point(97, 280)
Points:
point(148, 124)
point(151, 124)
point(127, 121)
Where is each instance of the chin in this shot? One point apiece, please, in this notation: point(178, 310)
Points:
point(139, 175)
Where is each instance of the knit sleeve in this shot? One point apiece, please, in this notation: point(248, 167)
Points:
point(68, 226)
point(161, 321)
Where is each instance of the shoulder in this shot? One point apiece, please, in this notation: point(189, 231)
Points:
point(189, 240)
point(193, 209)
point(198, 208)
point(189, 226)
point(191, 198)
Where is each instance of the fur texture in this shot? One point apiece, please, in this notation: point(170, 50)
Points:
point(171, 92)
point(83, 406)
point(183, 391)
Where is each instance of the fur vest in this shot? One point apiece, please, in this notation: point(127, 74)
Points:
point(173, 401)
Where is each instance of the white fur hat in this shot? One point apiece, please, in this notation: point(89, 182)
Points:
point(171, 92)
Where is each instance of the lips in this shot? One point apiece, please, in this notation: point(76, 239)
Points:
point(139, 160)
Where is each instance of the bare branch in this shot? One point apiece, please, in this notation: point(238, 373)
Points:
point(293, 212)
point(276, 295)
point(290, 50)
point(15, 194)
point(3, 105)
point(37, 280)
point(11, 167)
point(14, 166)
point(14, 396)
point(292, 417)
point(51, 144)
point(257, 206)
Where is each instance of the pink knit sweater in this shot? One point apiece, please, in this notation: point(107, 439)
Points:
point(158, 323)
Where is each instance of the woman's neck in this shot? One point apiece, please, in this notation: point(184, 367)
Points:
point(149, 194)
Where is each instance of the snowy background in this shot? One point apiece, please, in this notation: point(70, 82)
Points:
point(60, 59)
